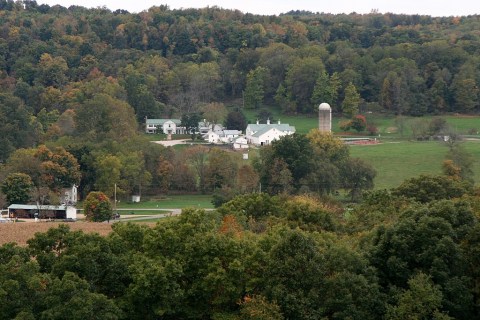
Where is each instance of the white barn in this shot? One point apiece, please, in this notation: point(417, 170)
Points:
point(263, 134)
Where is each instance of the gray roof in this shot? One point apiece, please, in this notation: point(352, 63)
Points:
point(260, 129)
point(232, 132)
point(159, 122)
point(34, 206)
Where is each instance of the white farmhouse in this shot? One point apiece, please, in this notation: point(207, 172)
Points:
point(263, 134)
point(70, 195)
point(167, 126)
point(212, 137)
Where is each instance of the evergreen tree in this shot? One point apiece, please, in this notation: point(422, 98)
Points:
point(351, 101)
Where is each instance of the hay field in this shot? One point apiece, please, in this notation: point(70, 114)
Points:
point(20, 232)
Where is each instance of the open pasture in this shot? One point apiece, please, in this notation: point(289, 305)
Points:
point(388, 126)
point(397, 161)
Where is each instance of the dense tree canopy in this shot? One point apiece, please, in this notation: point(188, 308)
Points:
point(260, 256)
point(179, 59)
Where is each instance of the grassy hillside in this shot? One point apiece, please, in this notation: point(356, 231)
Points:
point(398, 157)
point(388, 126)
point(397, 161)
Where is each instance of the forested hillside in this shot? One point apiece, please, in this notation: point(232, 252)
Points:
point(172, 60)
point(83, 80)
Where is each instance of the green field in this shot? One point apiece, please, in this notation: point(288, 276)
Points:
point(387, 125)
point(397, 161)
point(398, 157)
point(159, 219)
point(149, 212)
point(171, 202)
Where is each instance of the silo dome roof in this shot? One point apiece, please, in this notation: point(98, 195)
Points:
point(324, 106)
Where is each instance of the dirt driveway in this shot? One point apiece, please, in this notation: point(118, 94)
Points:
point(169, 143)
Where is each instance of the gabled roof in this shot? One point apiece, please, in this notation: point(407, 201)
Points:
point(160, 122)
point(241, 140)
point(212, 132)
point(223, 133)
point(263, 127)
point(263, 131)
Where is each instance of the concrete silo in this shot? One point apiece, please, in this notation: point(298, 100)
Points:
point(325, 117)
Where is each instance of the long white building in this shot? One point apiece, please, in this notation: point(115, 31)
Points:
point(261, 134)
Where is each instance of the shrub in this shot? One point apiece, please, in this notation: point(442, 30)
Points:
point(359, 123)
point(372, 130)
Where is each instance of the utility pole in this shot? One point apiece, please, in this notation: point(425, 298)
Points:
point(115, 199)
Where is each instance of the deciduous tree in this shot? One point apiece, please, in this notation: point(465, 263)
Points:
point(427, 188)
point(108, 173)
point(59, 168)
point(422, 300)
point(17, 188)
point(463, 160)
point(221, 169)
point(235, 121)
point(164, 171)
point(97, 207)
point(247, 179)
point(357, 176)
point(214, 112)
point(16, 130)
point(254, 90)
point(300, 81)
point(197, 157)
point(105, 117)
point(190, 122)
point(327, 146)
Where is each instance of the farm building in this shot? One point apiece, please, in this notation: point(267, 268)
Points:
point(31, 211)
point(263, 134)
point(222, 136)
point(240, 143)
point(204, 127)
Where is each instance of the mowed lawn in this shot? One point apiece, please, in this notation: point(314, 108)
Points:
point(398, 161)
point(171, 202)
